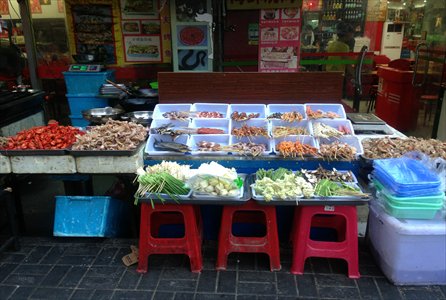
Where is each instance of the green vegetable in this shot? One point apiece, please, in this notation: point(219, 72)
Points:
point(328, 188)
point(160, 183)
point(273, 174)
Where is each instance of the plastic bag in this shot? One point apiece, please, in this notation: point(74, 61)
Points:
point(436, 165)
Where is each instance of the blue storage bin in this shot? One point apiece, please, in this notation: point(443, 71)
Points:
point(81, 102)
point(91, 216)
point(78, 121)
point(83, 82)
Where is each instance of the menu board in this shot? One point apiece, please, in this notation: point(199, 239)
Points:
point(376, 10)
point(279, 40)
point(141, 31)
point(93, 31)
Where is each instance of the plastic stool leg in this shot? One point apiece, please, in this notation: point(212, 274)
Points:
point(193, 241)
point(143, 239)
point(223, 239)
point(273, 240)
point(301, 235)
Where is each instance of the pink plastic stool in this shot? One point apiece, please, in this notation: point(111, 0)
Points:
point(228, 243)
point(189, 244)
point(341, 218)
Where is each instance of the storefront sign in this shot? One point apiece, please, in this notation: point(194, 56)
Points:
point(279, 40)
point(262, 4)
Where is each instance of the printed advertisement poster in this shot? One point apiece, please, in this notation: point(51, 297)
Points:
point(279, 40)
point(142, 48)
point(138, 9)
point(4, 7)
point(35, 7)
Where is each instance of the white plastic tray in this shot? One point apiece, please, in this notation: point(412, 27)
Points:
point(254, 122)
point(222, 139)
point(162, 122)
point(262, 198)
point(256, 139)
point(204, 196)
point(304, 123)
point(283, 108)
point(222, 124)
point(160, 109)
point(326, 107)
point(248, 109)
point(350, 140)
point(212, 107)
point(182, 139)
point(335, 123)
point(305, 139)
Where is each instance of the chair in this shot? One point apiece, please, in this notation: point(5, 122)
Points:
point(251, 212)
point(430, 102)
point(343, 219)
point(152, 218)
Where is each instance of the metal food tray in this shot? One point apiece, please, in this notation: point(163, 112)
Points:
point(211, 200)
point(33, 152)
point(132, 152)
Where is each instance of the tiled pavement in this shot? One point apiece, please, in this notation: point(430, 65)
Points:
point(57, 268)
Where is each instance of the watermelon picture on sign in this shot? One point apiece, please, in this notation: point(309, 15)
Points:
point(192, 35)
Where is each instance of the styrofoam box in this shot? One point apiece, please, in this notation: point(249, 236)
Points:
point(212, 107)
point(304, 123)
point(222, 139)
point(5, 165)
point(248, 109)
point(222, 124)
point(43, 164)
point(326, 107)
point(409, 252)
point(162, 122)
point(255, 139)
point(349, 139)
point(304, 139)
point(283, 108)
point(182, 139)
point(160, 109)
point(110, 164)
point(336, 123)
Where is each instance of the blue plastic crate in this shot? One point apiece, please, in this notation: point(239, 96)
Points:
point(80, 102)
point(91, 216)
point(83, 82)
point(78, 121)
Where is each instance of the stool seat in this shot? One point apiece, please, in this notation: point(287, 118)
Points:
point(341, 218)
point(150, 242)
point(228, 243)
point(429, 97)
point(429, 101)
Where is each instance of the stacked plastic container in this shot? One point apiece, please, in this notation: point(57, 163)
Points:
point(407, 189)
point(263, 120)
point(82, 91)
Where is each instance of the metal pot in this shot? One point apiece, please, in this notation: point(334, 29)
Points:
point(140, 117)
point(102, 115)
point(138, 104)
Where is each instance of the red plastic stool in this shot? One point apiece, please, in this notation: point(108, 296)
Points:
point(228, 243)
point(189, 244)
point(341, 218)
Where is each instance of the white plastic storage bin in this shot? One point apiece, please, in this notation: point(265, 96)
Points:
point(222, 139)
point(263, 123)
point(211, 107)
point(222, 124)
point(327, 107)
point(304, 139)
point(283, 108)
point(248, 109)
point(160, 109)
point(409, 252)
